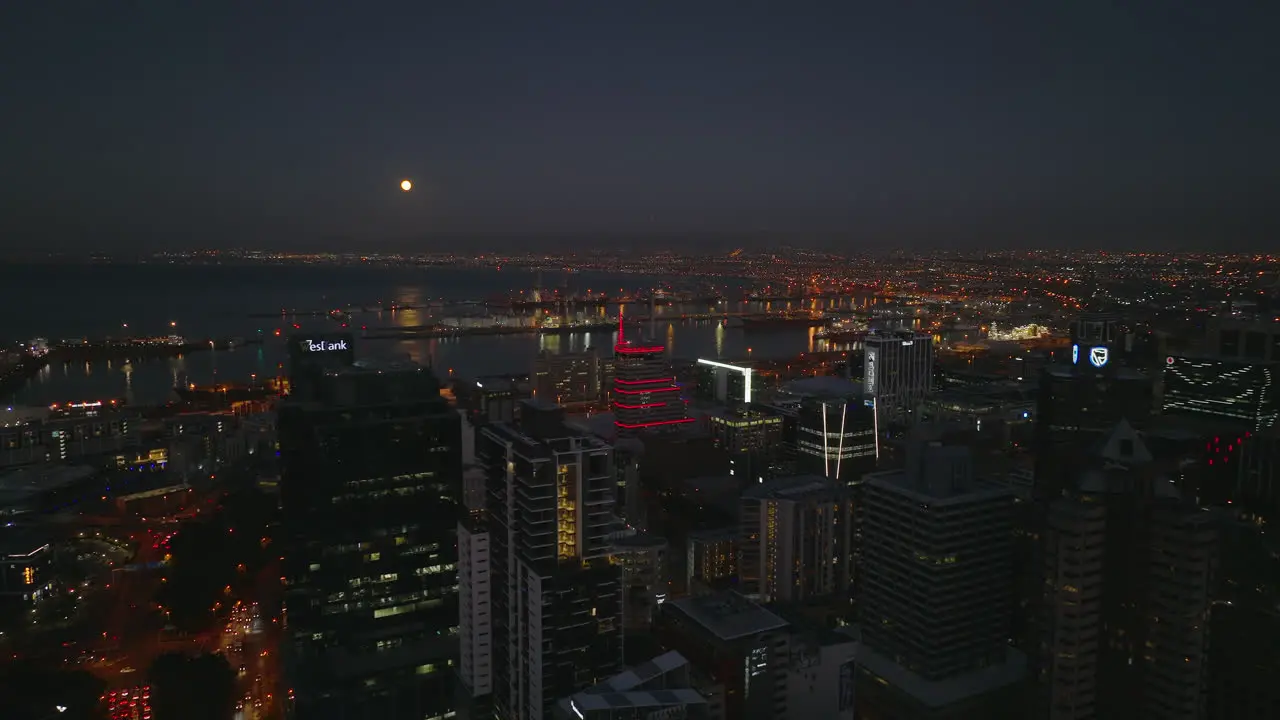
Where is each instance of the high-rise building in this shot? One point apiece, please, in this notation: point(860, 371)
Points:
point(1244, 394)
point(26, 569)
point(66, 432)
point(836, 437)
point(475, 622)
point(370, 485)
point(725, 382)
point(741, 430)
point(741, 646)
point(490, 400)
point(897, 371)
point(1244, 657)
point(936, 588)
point(1245, 339)
point(645, 578)
point(1081, 400)
point(1257, 484)
point(711, 557)
point(796, 540)
point(1126, 581)
point(645, 393)
point(556, 599)
point(820, 682)
point(567, 379)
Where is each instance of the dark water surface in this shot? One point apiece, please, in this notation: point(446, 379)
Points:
point(72, 301)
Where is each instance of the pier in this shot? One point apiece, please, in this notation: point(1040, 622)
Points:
point(348, 310)
point(416, 332)
point(564, 304)
point(598, 302)
point(28, 365)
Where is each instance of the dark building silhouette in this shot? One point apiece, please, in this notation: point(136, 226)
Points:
point(1126, 580)
point(370, 487)
point(1082, 399)
point(936, 589)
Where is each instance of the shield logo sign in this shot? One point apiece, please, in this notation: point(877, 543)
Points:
point(1098, 356)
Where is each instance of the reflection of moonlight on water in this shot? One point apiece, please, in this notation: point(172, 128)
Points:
point(405, 185)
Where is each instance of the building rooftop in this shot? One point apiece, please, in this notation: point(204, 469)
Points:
point(728, 615)
point(635, 688)
point(715, 489)
point(24, 483)
point(495, 383)
point(544, 448)
point(11, 415)
point(937, 473)
point(538, 403)
point(645, 672)
point(823, 386)
point(1065, 371)
point(994, 393)
point(793, 488)
point(598, 424)
point(657, 699)
point(942, 693)
point(639, 541)
point(716, 534)
point(19, 543)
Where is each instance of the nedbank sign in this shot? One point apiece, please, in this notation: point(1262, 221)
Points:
point(324, 349)
point(323, 345)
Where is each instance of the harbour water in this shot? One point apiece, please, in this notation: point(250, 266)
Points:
point(204, 301)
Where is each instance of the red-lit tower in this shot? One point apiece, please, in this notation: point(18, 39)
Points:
point(645, 394)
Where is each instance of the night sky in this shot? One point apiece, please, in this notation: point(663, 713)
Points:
point(866, 124)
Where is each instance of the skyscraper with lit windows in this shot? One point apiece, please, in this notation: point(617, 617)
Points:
point(897, 373)
point(556, 600)
point(371, 478)
point(567, 379)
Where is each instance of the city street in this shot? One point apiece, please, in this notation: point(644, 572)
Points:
point(250, 642)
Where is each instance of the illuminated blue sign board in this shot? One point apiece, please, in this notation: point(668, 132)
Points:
point(1099, 356)
point(1075, 354)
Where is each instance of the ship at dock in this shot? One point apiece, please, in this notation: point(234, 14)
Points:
point(230, 392)
point(841, 334)
point(783, 321)
point(843, 330)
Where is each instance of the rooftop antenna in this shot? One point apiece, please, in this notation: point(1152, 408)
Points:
point(621, 307)
point(653, 310)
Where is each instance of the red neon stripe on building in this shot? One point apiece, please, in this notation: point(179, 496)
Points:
point(639, 350)
point(642, 382)
point(645, 392)
point(639, 407)
point(651, 424)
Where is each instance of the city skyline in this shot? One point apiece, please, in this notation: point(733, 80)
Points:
point(864, 127)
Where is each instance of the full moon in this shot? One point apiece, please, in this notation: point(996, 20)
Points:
point(405, 185)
